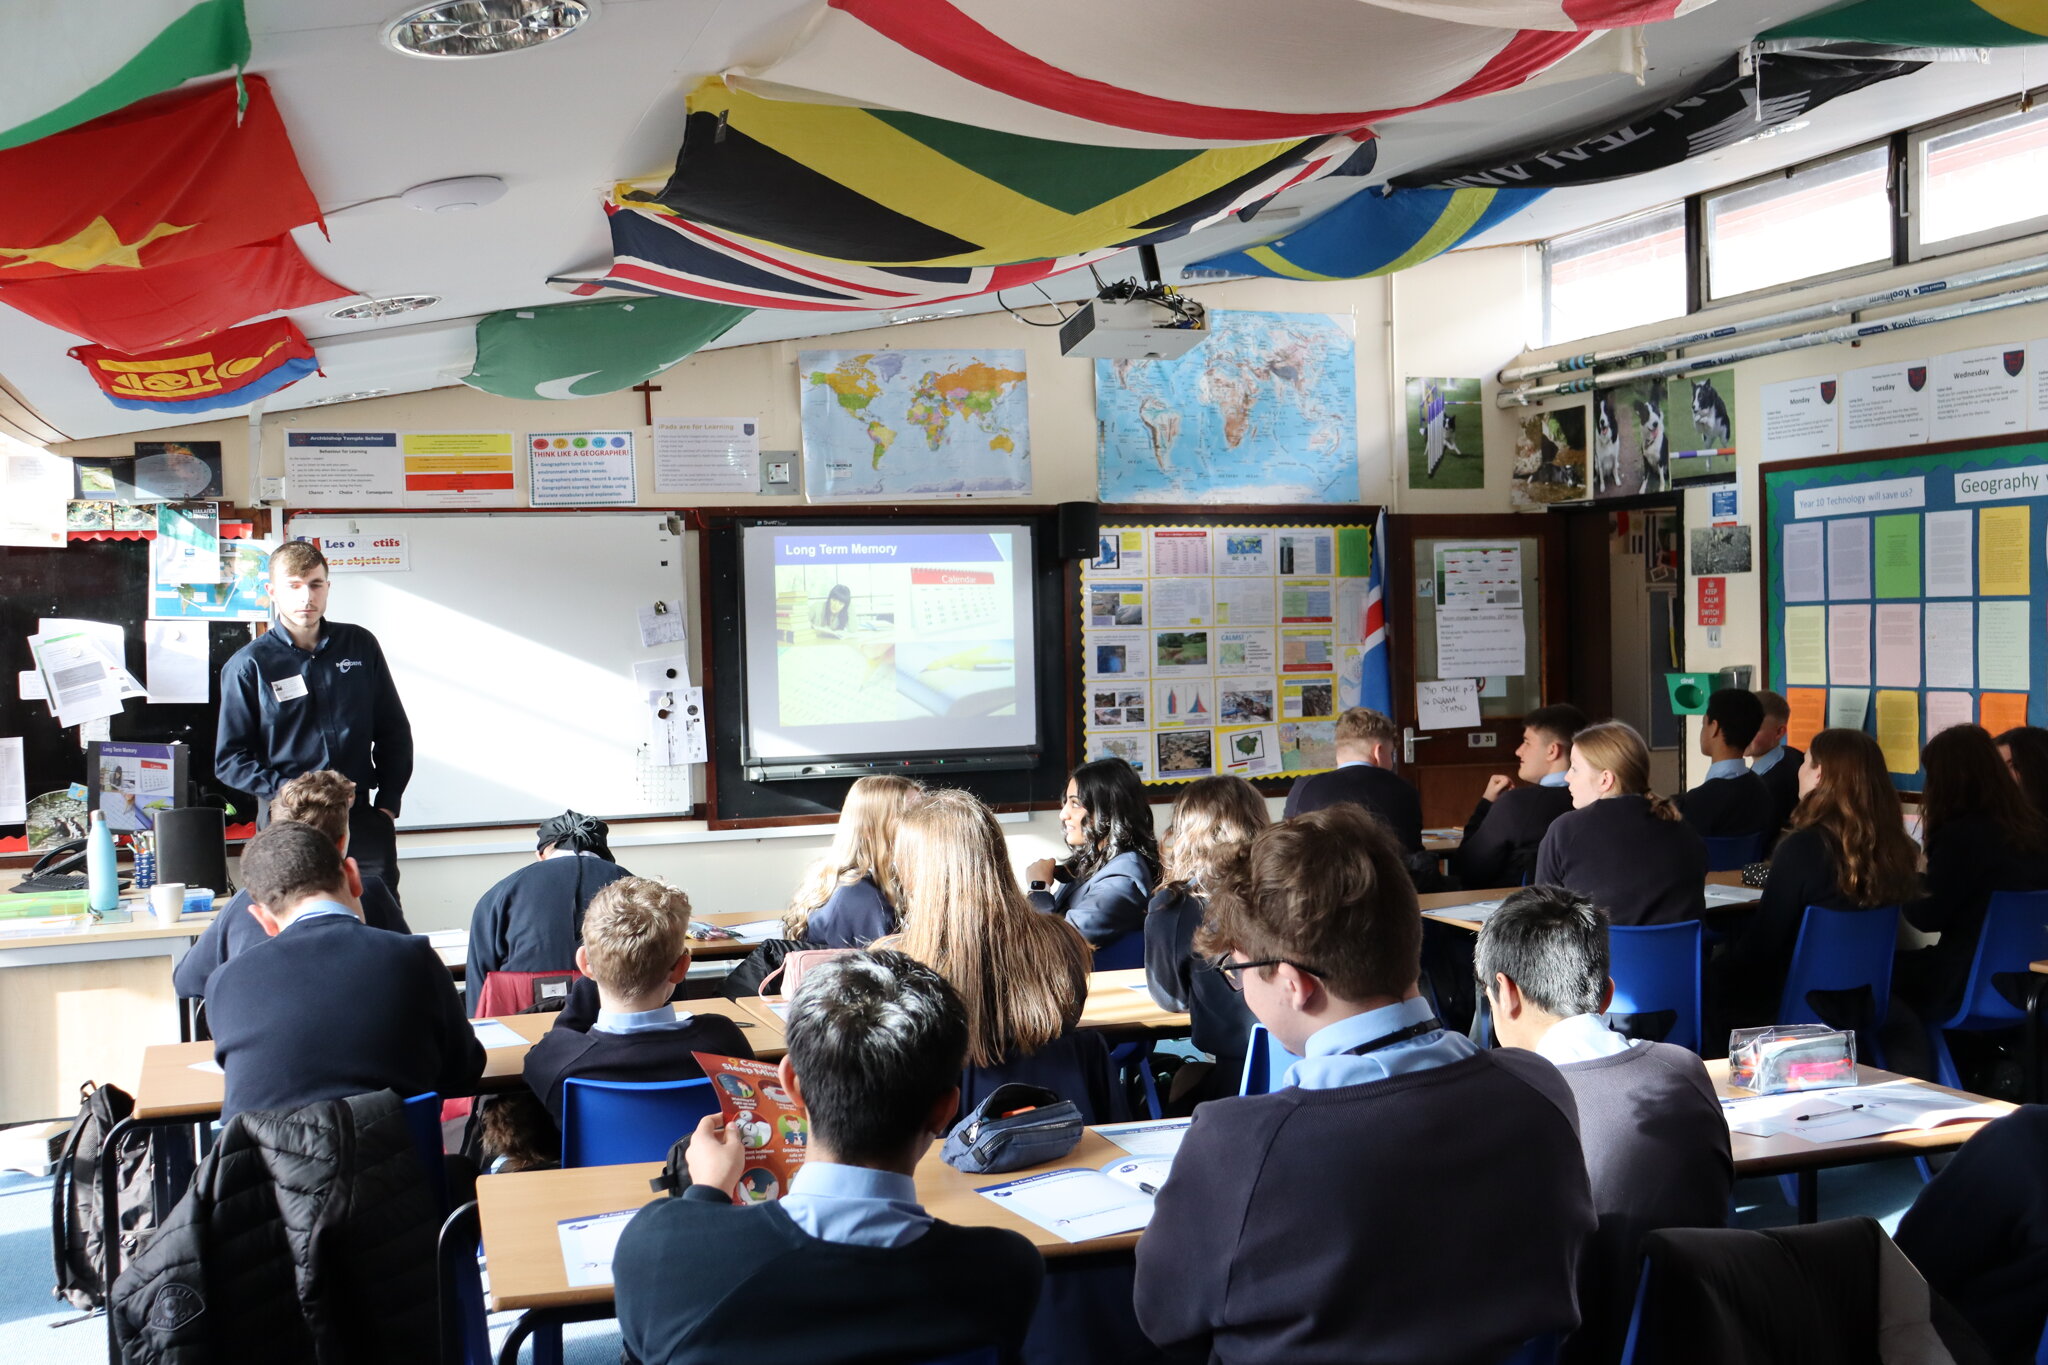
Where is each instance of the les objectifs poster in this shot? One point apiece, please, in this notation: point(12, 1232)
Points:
point(771, 1124)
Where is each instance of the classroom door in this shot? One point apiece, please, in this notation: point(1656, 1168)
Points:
point(1480, 597)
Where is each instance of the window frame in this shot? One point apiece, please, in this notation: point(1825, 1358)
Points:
point(1911, 154)
point(1701, 255)
point(1685, 227)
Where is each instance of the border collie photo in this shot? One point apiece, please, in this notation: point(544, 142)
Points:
point(1631, 441)
point(1446, 434)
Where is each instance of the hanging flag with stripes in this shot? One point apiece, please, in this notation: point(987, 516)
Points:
point(1177, 73)
point(1914, 26)
point(881, 187)
point(1376, 671)
point(230, 370)
point(1373, 233)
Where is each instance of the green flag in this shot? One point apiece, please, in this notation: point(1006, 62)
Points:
point(68, 63)
point(1920, 23)
point(580, 350)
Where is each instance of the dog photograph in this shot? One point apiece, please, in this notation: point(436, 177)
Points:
point(1446, 434)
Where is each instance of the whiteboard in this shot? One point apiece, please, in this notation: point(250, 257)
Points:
point(512, 638)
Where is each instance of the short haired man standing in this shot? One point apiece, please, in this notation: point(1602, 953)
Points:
point(1655, 1139)
point(847, 1266)
point(311, 693)
point(1733, 801)
point(1319, 1223)
point(1507, 826)
point(328, 1007)
point(1367, 742)
point(1772, 757)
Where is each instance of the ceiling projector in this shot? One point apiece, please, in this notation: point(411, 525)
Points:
point(1134, 322)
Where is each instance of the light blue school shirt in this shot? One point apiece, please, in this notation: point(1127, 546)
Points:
point(639, 1021)
point(312, 910)
point(855, 1205)
point(1726, 767)
point(1328, 1066)
point(1768, 761)
point(1554, 780)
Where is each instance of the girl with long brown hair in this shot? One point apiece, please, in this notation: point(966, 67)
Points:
point(1022, 975)
point(1621, 845)
point(1847, 849)
point(849, 896)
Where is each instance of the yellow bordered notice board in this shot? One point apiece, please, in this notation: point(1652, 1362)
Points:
point(1222, 645)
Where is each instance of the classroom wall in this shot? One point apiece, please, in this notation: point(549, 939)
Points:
point(1463, 314)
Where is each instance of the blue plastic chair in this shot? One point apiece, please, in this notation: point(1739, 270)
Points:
point(423, 1120)
point(1733, 852)
point(1635, 1317)
point(465, 1329)
point(1656, 967)
point(1122, 953)
point(613, 1123)
point(1265, 1064)
point(1839, 950)
point(2014, 936)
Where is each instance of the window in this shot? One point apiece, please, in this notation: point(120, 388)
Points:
point(1618, 275)
point(1981, 178)
point(1824, 218)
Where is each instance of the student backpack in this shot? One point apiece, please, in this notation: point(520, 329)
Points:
point(77, 1220)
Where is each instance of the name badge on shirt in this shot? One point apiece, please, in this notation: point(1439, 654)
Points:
point(285, 689)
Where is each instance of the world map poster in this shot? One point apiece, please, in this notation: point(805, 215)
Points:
point(1263, 411)
point(914, 424)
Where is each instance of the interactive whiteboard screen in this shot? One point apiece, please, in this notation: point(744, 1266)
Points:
point(896, 641)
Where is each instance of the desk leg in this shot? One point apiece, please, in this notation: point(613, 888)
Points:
point(1809, 1196)
point(545, 1327)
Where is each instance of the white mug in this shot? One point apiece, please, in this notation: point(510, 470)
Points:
point(167, 901)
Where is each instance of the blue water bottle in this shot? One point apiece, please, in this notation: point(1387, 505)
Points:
point(102, 874)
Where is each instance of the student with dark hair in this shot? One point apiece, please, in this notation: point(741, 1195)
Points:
point(1367, 742)
point(1979, 1233)
point(2025, 751)
point(1847, 850)
point(1774, 759)
point(1314, 1223)
point(533, 920)
point(1105, 883)
point(328, 1007)
point(1507, 826)
point(1650, 1121)
point(1733, 801)
point(876, 1043)
point(1213, 821)
point(1981, 835)
point(1621, 845)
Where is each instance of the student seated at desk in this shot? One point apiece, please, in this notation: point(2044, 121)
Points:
point(2025, 751)
point(1213, 820)
point(1406, 1198)
point(533, 920)
point(1979, 1233)
point(1022, 975)
point(328, 1007)
point(1622, 846)
point(618, 1025)
point(1981, 835)
point(1507, 826)
point(847, 1266)
point(1776, 762)
point(1733, 801)
point(1364, 776)
point(1847, 850)
point(1650, 1121)
point(322, 800)
point(1106, 882)
point(848, 899)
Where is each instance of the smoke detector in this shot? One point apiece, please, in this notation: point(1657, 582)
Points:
point(386, 307)
point(483, 28)
point(454, 196)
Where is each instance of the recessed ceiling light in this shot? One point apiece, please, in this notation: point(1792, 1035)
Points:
point(384, 308)
point(346, 397)
point(483, 28)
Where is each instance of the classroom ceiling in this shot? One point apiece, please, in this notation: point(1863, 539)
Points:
point(560, 123)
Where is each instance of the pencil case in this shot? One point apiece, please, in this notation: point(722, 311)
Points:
point(1014, 1126)
point(1788, 1057)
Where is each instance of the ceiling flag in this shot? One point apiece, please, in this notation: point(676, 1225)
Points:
point(1916, 24)
point(580, 350)
point(65, 64)
point(229, 370)
point(1373, 233)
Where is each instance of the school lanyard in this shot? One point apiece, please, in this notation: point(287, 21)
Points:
point(1429, 1025)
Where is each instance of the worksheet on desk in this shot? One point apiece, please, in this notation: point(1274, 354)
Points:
point(588, 1245)
point(1078, 1205)
point(493, 1034)
point(1147, 1137)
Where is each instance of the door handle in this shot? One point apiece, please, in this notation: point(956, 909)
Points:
point(1409, 739)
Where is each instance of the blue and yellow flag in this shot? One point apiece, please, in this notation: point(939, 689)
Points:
point(1373, 233)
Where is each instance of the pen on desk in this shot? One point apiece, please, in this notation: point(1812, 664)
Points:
point(1848, 1109)
point(1147, 1189)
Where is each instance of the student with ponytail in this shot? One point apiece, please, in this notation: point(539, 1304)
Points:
point(1622, 846)
point(849, 896)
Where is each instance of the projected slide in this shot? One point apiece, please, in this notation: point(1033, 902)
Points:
point(877, 640)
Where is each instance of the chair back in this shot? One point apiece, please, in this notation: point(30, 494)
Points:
point(465, 1330)
point(513, 992)
point(1733, 852)
point(1656, 968)
point(1121, 953)
point(2015, 936)
point(612, 1123)
point(1265, 1064)
point(1840, 950)
point(423, 1121)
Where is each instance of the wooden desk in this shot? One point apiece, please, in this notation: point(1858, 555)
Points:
point(1442, 841)
point(452, 945)
point(1445, 900)
point(170, 1089)
point(1116, 1000)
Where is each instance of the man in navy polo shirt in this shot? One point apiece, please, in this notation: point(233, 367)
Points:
point(310, 694)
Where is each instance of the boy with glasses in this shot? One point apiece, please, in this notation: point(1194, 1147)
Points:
point(1317, 1223)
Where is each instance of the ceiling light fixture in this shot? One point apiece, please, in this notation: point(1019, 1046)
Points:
point(483, 28)
point(384, 308)
point(454, 196)
point(356, 396)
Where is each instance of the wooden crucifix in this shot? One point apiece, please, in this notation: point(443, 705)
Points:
point(647, 392)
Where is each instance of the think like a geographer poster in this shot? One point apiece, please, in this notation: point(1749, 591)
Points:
point(772, 1125)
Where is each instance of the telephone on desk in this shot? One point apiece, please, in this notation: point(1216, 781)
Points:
point(54, 871)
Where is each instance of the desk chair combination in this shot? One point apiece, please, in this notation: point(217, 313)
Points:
point(1843, 951)
point(1733, 852)
point(2015, 935)
point(615, 1123)
point(1132, 1058)
point(1656, 971)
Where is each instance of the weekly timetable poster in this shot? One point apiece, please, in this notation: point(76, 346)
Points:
point(1222, 649)
point(1907, 595)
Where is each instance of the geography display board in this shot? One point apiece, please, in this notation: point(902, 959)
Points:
point(885, 425)
point(1265, 410)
